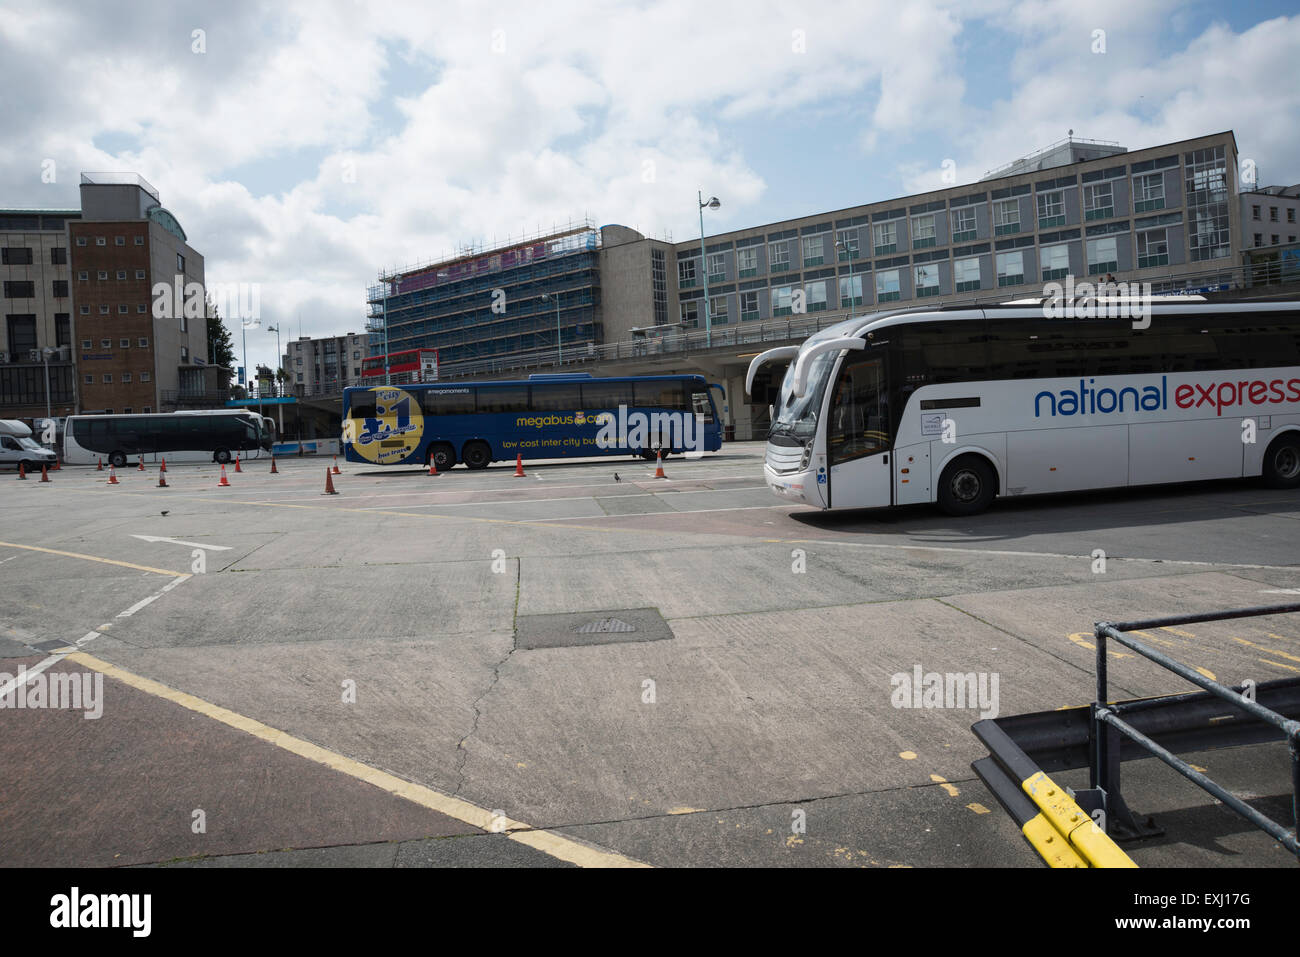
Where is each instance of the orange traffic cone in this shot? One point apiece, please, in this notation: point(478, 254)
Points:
point(45, 475)
point(112, 476)
point(162, 479)
point(519, 465)
point(274, 470)
point(336, 466)
point(163, 467)
point(57, 466)
point(225, 482)
point(22, 472)
point(329, 484)
point(237, 468)
point(141, 468)
point(101, 464)
point(433, 466)
point(659, 465)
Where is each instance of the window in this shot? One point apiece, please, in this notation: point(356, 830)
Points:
point(83, 275)
point(718, 310)
point(782, 300)
point(1290, 215)
point(119, 241)
point(101, 241)
point(1259, 239)
point(1051, 209)
point(22, 255)
point(717, 267)
point(926, 280)
point(299, 376)
point(1056, 262)
point(923, 232)
point(851, 291)
point(1101, 256)
point(143, 342)
point(121, 274)
point(81, 240)
point(62, 329)
point(667, 395)
point(356, 355)
point(60, 289)
point(887, 289)
point(1274, 239)
point(126, 377)
point(103, 310)
point(814, 250)
point(22, 335)
point(84, 310)
point(180, 263)
point(846, 244)
point(1011, 269)
point(1006, 216)
point(778, 256)
point(139, 241)
point(748, 306)
point(185, 354)
point(139, 274)
point(445, 403)
point(105, 343)
point(1153, 248)
point(859, 412)
point(108, 378)
point(144, 377)
point(815, 296)
point(87, 344)
point(58, 255)
point(502, 398)
point(103, 274)
point(884, 237)
point(123, 309)
point(141, 308)
point(124, 343)
point(88, 380)
point(1272, 214)
point(747, 262)
point(690, 313)
point(963, 224)
point(1098, 201)
point(1148, 192)
point(20, 290)
point(686, 273)
point(966, 274)
point(556, 397)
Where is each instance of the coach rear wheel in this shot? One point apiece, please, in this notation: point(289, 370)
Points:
point(1282, 462)
point(223, 456)
point(967, 486)
point(477, 455)
point(117, 459)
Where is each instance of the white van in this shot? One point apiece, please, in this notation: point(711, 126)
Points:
point(17, 447)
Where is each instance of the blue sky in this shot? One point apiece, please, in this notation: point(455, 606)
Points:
point(307, 145)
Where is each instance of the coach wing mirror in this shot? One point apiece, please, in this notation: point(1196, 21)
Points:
point(771, 355)
point(804, 362)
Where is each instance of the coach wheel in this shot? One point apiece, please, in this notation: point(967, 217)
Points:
point(443, 457)
point(967, 486)
point(117, 459)
point(1282, 462)
point(27, 466)
point(223, 456)
point(477, 455)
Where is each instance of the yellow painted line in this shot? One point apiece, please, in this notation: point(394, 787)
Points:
point(564, 848)
point(1271, 651)
point(1206, 672)
point(1080, 639)
point(96, 558)
point(977, 808)
point(1278, 664)
point(1180, 634)
point(943, 783)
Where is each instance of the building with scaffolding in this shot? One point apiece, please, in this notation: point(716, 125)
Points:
point(539, 294)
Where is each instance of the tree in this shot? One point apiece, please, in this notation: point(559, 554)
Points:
point(221, 350)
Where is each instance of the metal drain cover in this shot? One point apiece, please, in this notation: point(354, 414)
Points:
point(573, 630)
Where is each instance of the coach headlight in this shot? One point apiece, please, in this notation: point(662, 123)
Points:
point(807, 457)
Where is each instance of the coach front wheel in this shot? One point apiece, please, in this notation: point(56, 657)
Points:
point(442, 456)
point(967, 486)
point(1282, 461)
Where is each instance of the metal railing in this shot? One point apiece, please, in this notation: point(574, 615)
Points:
point(1108, 723)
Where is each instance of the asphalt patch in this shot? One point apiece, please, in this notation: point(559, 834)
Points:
point(572, 630)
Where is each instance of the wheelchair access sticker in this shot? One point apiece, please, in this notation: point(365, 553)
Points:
point(393, 433)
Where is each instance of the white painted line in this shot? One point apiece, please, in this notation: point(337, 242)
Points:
point(140, 604)
point(1279, 591)
point(9, 559)
point(176, 541)
point(176, 581)
point(565, 498)
point(42, 666)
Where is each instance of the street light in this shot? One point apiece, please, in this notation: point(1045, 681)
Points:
point(46, 352)
point(713, 203)
point(278, 367)
point(559, 349)
point(839, 244)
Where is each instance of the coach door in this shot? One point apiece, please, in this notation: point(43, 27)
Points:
point(858, 441)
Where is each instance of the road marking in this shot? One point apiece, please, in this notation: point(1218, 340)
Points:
point(1279, 591)
point(943, 783)
point(138, 605)
point(1271, 651)
point(177, 541)
point(548, 842)
point(1278, 664)
point(41, 666)
point(568, 498)
point(96, 558)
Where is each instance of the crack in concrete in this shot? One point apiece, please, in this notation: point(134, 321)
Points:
point(496, 676)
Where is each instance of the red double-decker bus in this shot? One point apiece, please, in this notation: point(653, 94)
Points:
point(412, 365)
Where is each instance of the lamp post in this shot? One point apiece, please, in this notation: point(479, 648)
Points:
point(559, 348)
point(46, 352)
point(849, 252)
point(278, 367)
point(245, 325)
point(713, 203)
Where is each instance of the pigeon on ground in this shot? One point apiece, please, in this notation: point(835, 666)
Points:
point(165, 511)
point(616, 478)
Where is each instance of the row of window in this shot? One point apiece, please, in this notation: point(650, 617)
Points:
point(124, 377)
point(123, 309)
point(1259, 239)
point(22, 332)
point(22, 256)
point(123, 343)
point(83, 275)
point(1098, 203)
point(103, 240)
point(1272, 214)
